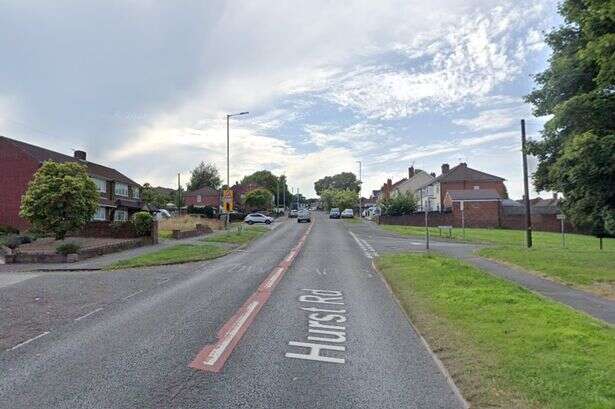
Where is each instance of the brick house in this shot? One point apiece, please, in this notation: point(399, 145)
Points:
point(461, 177)
point(240, 191)
point(205, 196)
point(119, 195)
point(415, 180)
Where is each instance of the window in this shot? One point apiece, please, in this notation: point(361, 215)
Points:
point(198, 198)
point(121, 189)
point(120, 216)
point(100, 214)
point(135, 192)
point(101, 185)
point(476, 187)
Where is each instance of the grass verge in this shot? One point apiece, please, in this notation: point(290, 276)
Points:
point(505, 346)
point(239, 235)
point(581, 264)
point(182, 253)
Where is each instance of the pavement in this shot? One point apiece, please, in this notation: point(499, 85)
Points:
point(297, 319)
point(382, 241)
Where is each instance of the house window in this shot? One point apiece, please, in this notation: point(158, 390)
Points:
point(101, 185)
point(135, 192)
point(121, 189)
point(198, 198)
point(120, 216)
point(100, 214)
point(476, 187)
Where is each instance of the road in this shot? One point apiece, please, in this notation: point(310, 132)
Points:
point(298, 319)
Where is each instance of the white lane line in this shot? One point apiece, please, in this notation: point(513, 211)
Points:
point(366, 252)
point(132, 295)
point(215, 354)
point(163, 281)
point(274, 277)
point(30, 340)
point(88, 314)
point(374, 252)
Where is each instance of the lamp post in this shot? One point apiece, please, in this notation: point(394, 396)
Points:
point(228, 162)
point(360, 189)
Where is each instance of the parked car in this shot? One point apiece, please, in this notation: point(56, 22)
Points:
point(303, 216)
point(258, 218)
point(293, 213)
point(334, 213)
point(347, 214)
point(162, 214)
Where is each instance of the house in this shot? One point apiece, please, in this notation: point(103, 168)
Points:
point(119, 195)
point(205, 196)
point(239, 193)
point(431, 195)
point(411, 185)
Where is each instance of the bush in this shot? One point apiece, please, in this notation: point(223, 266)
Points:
point(67, 248)
point(399, 205)
point(143, 223)
point(6, 229)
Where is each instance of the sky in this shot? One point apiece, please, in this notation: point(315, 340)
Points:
point(144, 86)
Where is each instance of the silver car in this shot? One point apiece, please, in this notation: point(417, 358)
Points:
point(258, 218)
point(303, 216)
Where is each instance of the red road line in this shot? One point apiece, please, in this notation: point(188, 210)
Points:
point(213, 356)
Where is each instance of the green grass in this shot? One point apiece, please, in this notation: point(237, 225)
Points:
point(182, 253)
point(580, 264)
point(505, 346)
point(353, 220)
point(238, 235)
point(165, 234)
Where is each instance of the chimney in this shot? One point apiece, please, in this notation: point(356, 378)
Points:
point(410, 172)
point(445, 168)
point(433, 174)
point(80, 155)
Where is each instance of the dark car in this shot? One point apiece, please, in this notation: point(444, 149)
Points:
point(334, 213)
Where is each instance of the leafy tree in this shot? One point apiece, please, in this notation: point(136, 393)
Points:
point(271, 182)
point(341, 181)
point(151, 195)
point(205, 174)
point(60, 198)
point(343, 199)
point(398, 205)
point(576, 153)
point(258, 199)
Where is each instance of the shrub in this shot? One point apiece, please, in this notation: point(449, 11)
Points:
point(15, 240)
point(399, 205)
point(67, 248)
point(143, 223)
point(6, 229)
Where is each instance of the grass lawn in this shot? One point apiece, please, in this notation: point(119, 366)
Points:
point(581, 264)
point(238, 235)
point(353, 220)
point(165, 234)
point(182, 253)
point(505, 346)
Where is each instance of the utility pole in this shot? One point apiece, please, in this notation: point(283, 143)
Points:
point(277, 194)
point(427, 224)
point(179, 195)
point(526, 188)
point(228, 161)
point(284, 193)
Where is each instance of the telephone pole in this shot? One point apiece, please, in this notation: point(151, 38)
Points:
point(526, 188)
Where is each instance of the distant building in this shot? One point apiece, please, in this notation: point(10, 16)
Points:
point(205, 196)
point(431, 195)
point(416, 179)
point(119, 195)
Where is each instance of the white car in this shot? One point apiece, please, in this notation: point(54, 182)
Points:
point(258, 218)
point(347, 214)
point(162, 214)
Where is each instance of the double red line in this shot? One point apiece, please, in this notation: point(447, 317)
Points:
point(213, 356)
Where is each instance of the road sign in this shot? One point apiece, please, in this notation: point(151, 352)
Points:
point(560, 216)
point(227, 200)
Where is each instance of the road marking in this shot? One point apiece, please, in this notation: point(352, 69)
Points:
point(323, 327)
point(88, 314)
point(368, 250)
point(164, 280)
point(30, 340)
point(212, 357)
point(132, 295)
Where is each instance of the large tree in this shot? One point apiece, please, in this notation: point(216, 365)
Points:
point(576, 153)
point(340, 198)
point(60, 198)
point(271, 182)
point(205, 174)
point(341, 181)
point(258, 199)
point(157, 197)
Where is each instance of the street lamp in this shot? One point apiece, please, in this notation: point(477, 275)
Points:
point(228, 166)
point(360, 189)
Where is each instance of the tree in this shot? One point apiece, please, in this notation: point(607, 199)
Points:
point(154, 196)
point(258, 199)
point(341, 181)
point(342, 199)
point(205, 174)
point(399, 205)
point(60, 198)
point(576, 153)
point(271, 182)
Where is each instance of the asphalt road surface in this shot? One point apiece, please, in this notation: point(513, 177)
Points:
point(298, 319)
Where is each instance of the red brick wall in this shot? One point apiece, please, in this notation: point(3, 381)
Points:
point(469, 185)
point(16, 170)
point(478, 214)
point(434, 219)
point(206, 200)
